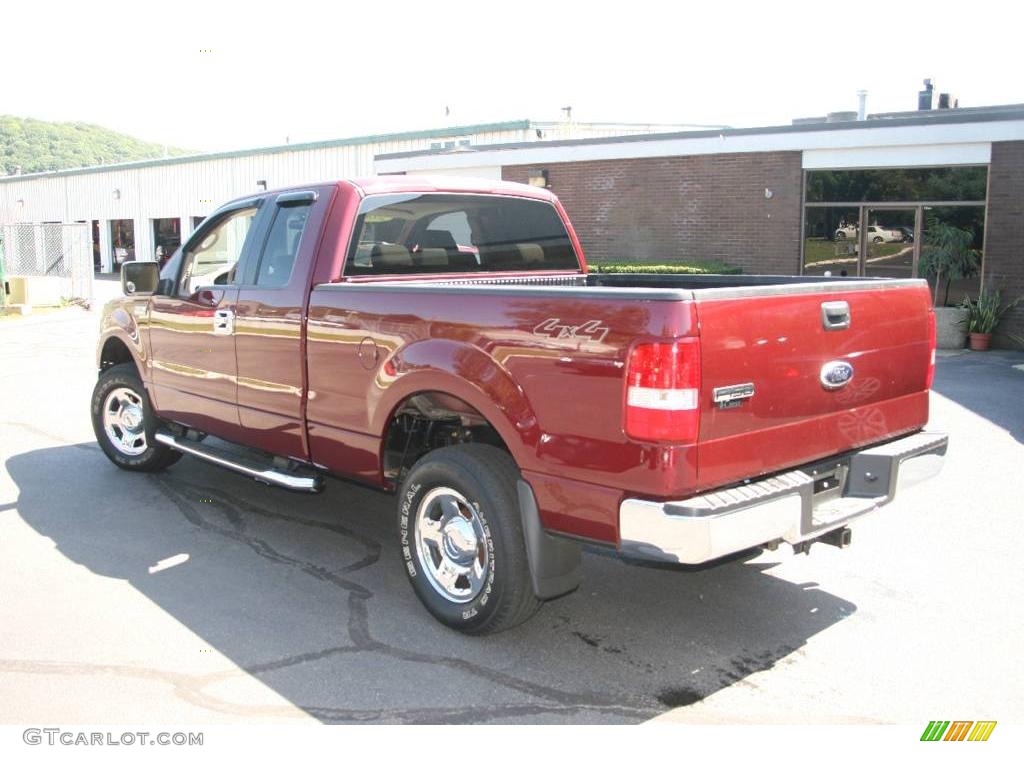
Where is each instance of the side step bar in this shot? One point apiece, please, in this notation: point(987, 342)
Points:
point(270, 476)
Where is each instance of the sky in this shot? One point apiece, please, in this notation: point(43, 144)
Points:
point(214, 76)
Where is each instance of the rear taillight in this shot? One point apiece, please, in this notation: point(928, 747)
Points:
point(663, 391)
point(931, 351)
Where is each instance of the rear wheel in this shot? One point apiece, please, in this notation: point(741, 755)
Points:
point(462, 540)
point(124, 422)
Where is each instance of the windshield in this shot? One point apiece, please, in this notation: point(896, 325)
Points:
point(419, 233)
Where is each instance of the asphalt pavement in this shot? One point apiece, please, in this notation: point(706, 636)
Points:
point(197, 596)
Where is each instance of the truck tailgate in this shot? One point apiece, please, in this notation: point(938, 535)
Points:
point(777, 341)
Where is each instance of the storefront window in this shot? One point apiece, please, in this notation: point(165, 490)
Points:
point(898, 185)
point(897, 222)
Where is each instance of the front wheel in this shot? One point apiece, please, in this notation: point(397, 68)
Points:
point(462, 539)
point(124, 422)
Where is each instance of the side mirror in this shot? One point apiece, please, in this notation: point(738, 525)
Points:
point(139, 278)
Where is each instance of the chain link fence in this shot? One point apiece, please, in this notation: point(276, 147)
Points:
point(57, 251)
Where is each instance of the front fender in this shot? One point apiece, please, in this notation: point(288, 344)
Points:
point(120, 321)
point(466, 372)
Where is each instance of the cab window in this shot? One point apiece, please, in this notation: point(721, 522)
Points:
point(420, 233)
point(213, 259)
point(282, 246)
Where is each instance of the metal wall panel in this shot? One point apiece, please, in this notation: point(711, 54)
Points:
point(32, 200)
point(196, 188)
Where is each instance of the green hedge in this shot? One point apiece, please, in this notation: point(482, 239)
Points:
point(678, 268)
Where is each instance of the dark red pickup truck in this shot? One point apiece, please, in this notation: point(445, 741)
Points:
point(442, 339)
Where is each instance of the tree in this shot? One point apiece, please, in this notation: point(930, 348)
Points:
point(36, 145)
point(947, 254)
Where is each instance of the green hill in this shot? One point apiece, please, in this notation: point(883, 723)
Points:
point(37, 145)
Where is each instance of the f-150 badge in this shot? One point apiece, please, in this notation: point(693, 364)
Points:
point(554, 328)
point(733, 395)
point(836, 374)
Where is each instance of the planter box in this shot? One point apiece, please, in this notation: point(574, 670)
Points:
point(950, 327)
point(37, 291)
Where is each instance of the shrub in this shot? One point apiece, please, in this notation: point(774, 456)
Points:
point(677, 268)
point(984, 314)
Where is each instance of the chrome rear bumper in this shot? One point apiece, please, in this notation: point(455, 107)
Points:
point(793, 506)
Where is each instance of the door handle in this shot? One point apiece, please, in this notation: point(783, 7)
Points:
point(223, 322)
point(835, 315)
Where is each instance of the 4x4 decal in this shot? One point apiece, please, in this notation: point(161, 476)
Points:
point(554, 328)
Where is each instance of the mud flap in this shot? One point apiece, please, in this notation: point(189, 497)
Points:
point(555, 563)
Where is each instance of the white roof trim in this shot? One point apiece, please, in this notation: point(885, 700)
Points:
point(978, 153)
point(849, 138)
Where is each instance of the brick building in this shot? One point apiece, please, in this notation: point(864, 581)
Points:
point(855, 197)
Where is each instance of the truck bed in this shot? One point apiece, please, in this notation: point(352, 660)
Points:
point(551, 350)
point(656, 287)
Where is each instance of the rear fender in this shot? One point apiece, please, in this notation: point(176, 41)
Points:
point(466, 372)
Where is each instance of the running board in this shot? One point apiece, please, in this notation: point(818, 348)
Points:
point(283, 479)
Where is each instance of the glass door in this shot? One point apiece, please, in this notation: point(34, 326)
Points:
point(889, 242)
point(830, 241)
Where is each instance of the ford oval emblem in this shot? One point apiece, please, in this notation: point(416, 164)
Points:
point(836, 374)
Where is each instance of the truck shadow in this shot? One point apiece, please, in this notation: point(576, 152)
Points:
point(987, 384)
point(307, 595)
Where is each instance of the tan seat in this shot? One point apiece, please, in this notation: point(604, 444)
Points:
point(530, 252)
point(431, 257)
point(458, 260)
point(386, 255)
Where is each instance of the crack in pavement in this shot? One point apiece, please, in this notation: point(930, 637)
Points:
point(234, 511)
point(190, 689)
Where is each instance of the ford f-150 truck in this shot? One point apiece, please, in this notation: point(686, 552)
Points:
point(442, 339)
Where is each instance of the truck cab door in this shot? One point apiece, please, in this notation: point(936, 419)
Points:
point(269, 323)
point(192, 330)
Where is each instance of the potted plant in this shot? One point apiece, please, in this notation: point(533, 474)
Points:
point(946, 256)
point(983, 316)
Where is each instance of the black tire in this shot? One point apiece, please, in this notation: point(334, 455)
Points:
point(840, 235)
point(152, 456)
point(876, 239)
point(485, 479)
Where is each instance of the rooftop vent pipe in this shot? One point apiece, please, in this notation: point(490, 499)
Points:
point(924, 98)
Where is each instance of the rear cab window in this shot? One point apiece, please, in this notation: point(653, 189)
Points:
point(277, 259)
point(422, 233)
